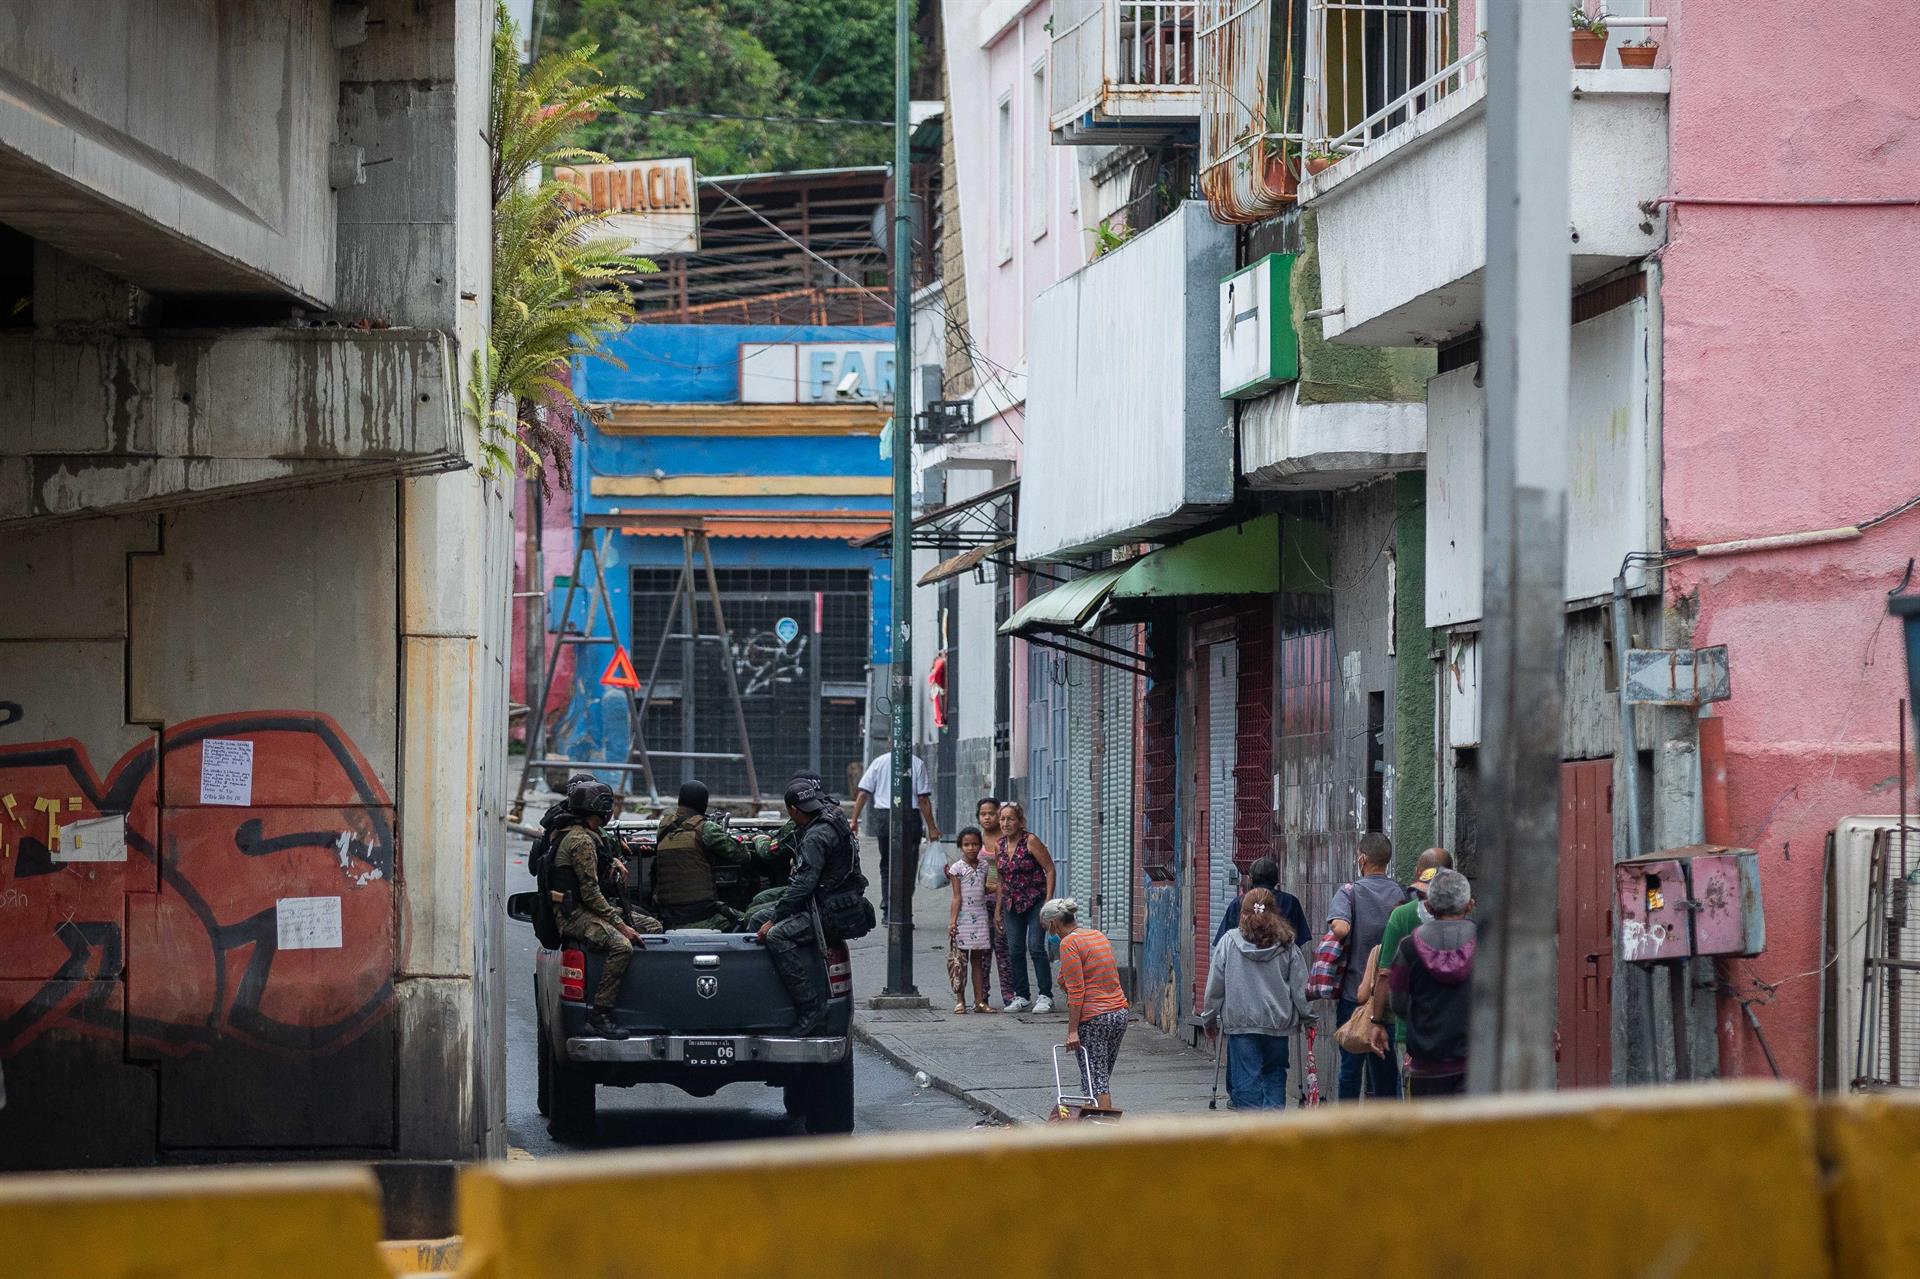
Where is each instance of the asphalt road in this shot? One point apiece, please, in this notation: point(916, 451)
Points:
point(885, 1098)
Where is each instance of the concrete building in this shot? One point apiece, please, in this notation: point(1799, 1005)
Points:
point(1693, 431)
point(255, 681)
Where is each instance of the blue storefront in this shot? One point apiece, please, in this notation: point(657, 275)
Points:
point(764, 438)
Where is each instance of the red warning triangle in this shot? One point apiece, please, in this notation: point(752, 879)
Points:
point(619, 672)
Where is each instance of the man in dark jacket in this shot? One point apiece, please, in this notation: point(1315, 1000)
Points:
point(686, 850)
point(1430, 988)
point(826, 870)
point(1265, 873)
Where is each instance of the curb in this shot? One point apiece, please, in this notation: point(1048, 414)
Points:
point(997, 1113)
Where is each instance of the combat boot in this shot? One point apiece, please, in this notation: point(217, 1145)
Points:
point(600, 1022)
point(812, 1014)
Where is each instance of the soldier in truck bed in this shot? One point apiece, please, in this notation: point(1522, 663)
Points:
point(775, 857)
point(582, 862)
point(686, 850)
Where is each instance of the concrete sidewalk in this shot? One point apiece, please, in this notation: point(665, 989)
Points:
point(999, 1064)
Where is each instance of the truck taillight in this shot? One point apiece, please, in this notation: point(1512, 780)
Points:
point(573, 975)
point(839, 972)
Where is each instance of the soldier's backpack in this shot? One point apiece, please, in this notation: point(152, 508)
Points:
point(546, 924)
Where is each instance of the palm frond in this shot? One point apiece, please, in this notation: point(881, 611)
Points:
point(558, 289)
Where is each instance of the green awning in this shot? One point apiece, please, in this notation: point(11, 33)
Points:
point(1242, 560)
point(1066, 607)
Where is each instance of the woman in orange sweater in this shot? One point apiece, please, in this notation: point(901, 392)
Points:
point(1096, 1005)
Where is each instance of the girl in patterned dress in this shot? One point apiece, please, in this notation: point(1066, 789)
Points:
point(967, 922)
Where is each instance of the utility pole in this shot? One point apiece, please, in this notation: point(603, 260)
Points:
point(900, 678)
point(1524, 369)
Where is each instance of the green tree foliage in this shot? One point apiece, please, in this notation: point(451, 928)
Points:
point(557, 291)
point(738, 57)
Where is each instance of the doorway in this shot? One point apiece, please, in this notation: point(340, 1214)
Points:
point(1585, 928)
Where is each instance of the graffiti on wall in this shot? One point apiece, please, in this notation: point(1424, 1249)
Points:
point(236, 882)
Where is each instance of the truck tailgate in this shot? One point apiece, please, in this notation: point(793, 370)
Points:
point(692, 980)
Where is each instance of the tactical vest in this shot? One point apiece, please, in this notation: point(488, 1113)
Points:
point(681, 874)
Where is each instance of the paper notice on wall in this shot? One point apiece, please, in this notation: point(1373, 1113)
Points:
point(96, 839)
point(226, 772)
point(308, 923)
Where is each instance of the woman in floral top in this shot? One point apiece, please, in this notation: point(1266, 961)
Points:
point(1026, 882)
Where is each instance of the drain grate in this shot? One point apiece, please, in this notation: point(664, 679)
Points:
point(893, 1015)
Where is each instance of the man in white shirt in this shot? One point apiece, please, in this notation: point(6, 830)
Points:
point(876, 788)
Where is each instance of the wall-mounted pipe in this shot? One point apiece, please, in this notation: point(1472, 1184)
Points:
point(1778, 541)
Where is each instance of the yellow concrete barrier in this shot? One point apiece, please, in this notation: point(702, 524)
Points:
point(1871, 1147)
point(422, 1256)
point(254, 1223)
point(1706, 1182)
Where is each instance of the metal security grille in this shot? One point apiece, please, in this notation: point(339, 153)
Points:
point(1888, 1053)
point(1223, 706)
point(1113, 903)
point(802, 697)
point(1041, 692)
point(1077, 779)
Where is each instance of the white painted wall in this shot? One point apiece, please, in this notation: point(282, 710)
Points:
point(1403, 228)
point(1611, 507)
point(1126, 432)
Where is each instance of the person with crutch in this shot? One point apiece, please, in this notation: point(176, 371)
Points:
point(1256, 996)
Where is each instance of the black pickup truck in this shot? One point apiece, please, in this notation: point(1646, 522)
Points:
point(704, 1009)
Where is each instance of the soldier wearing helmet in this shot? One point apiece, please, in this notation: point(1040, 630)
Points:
point(581, 862)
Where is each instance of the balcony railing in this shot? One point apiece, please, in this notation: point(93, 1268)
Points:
point(1376, 64)
point(1123, 69)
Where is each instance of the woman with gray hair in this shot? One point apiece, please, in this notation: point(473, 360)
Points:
point(1430, 988)
point(1096, 1005)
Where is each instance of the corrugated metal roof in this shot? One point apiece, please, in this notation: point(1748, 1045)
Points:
point(1066, 607)
point(827, 525)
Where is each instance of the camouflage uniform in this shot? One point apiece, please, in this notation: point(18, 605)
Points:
point(593, 920)
point(776, 858)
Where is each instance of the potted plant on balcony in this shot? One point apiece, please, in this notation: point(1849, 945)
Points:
point(1589, 35)
point(1638, 53)
point(1319, 159)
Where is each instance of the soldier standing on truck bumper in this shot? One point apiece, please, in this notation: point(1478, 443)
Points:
point(581, 863)
point(825, 870)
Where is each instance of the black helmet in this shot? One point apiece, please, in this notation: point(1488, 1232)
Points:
point(693, 797)
point(587, 796)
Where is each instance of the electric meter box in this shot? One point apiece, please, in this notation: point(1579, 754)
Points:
point(1701, 900)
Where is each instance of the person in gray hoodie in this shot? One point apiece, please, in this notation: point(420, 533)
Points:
point(1430, 989)
point(1256, 996)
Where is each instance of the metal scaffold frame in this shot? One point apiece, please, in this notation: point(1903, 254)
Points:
point(596, 532)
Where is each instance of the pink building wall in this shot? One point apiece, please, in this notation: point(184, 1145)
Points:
point(1792, 402)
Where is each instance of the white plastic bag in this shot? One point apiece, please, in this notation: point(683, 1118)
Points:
point(933, 867)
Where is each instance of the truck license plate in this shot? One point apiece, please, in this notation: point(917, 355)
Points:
point(710, 1052)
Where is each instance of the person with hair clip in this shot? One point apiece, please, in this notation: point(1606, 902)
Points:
point(1256, 996)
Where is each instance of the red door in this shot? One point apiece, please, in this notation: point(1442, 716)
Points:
point(1586, 922)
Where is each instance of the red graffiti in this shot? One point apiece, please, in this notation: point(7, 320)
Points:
point(236, 883)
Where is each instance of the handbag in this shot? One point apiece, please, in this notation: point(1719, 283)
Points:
point(1355, 1035)
point(956, 969)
